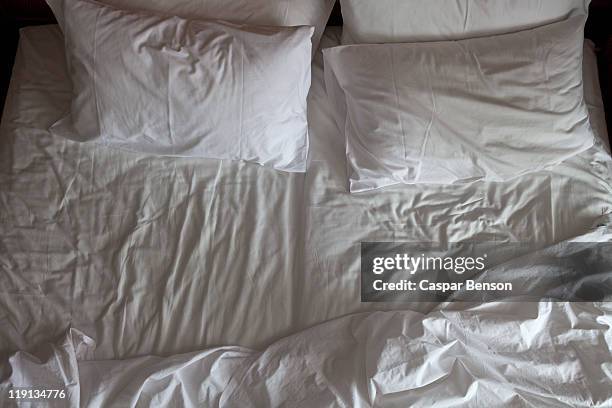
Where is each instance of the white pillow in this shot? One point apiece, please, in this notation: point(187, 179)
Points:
point(441, 112)
point(281, 13)
point(384, 21)
point(169, 86)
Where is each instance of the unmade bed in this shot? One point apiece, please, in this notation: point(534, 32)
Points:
point(168, 281)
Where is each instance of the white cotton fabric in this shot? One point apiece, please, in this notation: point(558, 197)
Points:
point(133, 249)
point(491, 108)
point(170, 86)
point(385, 21)
point(158, 258)
point(493, 355)
point(279, 13)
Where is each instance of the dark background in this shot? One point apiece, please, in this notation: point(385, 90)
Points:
point(15, 14)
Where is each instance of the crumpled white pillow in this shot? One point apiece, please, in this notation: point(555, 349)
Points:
point(279, 13)
point(170, 86)
point(490, 108)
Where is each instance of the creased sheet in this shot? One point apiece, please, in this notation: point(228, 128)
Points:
point(159, 256)
point(502, 354)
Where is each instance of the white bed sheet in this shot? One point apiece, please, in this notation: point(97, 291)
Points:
point(492, 355)
point(150, 255)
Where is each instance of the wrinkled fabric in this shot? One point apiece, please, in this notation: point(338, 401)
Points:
point(459, 111)
point(175, 87)
point(163, 256)
point(501, 354)
point(279, 13)
point(388, 21)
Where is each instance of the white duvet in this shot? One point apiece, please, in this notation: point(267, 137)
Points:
point(492, 355)
point(164, 256)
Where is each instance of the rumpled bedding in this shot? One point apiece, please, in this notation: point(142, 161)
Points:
point(491, 355)
point(163, 256)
